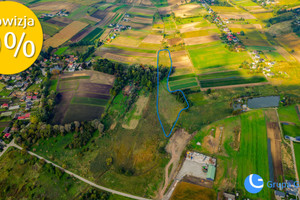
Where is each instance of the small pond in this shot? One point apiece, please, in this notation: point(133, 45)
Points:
point(264, 102)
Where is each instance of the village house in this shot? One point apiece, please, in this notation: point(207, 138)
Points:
point(5, 105)
point(14, 107)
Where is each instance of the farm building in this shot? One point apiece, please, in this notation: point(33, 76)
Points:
point(199, 166)
point(211, 173)
point(7, 135)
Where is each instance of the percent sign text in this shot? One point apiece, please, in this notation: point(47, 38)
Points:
point(19, 44)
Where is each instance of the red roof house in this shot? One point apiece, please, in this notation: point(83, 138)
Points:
point(5, 105)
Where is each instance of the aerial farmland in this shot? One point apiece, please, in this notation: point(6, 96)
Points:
point(96, 113)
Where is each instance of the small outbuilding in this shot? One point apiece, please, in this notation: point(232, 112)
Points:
point(211, 172)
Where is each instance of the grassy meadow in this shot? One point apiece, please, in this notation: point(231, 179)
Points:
point(215, 57)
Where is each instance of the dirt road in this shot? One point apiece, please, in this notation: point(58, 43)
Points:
point(176, 145)
point(12, 144)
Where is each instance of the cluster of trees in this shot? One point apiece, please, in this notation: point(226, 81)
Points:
point(45, 111)
point(139, 75)
point(47, 54)
point(90, 51)
point(94, 194)
point(84, 133)
point(296, 27)
point(29, 134)
point(281, 18)
point(180, 98)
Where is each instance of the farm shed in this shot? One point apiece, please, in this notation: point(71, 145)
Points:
point(211, 173)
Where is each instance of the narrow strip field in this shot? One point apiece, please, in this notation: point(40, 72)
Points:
point(253, 155)
point(231, 81)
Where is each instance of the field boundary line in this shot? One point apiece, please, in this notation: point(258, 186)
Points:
point(157, 96)
point(236, 86)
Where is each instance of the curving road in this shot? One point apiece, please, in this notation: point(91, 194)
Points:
point(12, 144)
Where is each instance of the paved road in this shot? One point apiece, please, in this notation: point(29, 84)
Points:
point(295, 165)
point(12, 144)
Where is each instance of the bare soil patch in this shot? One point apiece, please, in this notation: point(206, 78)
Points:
point(245, 26)
point(153, 39)
point(175, 41)
point(187, 10)
point(94, 88)
point(80, 35)
point(180, 59)
point(137, 25)
point(237, 16)
point(211, 142)
point(119, 58)
point(54, 6)
point(185, 28)
point(104, 50)
point(273, 131)
point(165, 10)
point(201, 39)
point(63, 99)
point(139, 107)
point(142, 11)
point(106, 20)
point(176, 145)
point(94, 19)
point(292, 41)
point(60, 21)
point(141, 20)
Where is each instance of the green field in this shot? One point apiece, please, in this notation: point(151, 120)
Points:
point(297, 154)
point(89, 101)
point(175, 78)
point(1, 86)
point(136, 153)
point(238, 158)
point(214, 56)
point(289, 114)
point(173, 83)
point(184, 85)
point(291, 130)
point(50, 29)
point(53, 85)
point(274, 55)
point(104, 6)
point(231, 81)
point(94, 35)
point(119, 7)
point(169, 24)
point(38, 180)
point(219, 75)
point(61, 50)
point(250, 158)
point(160, 3)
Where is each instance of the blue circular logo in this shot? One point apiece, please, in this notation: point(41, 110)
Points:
point(254, 183)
